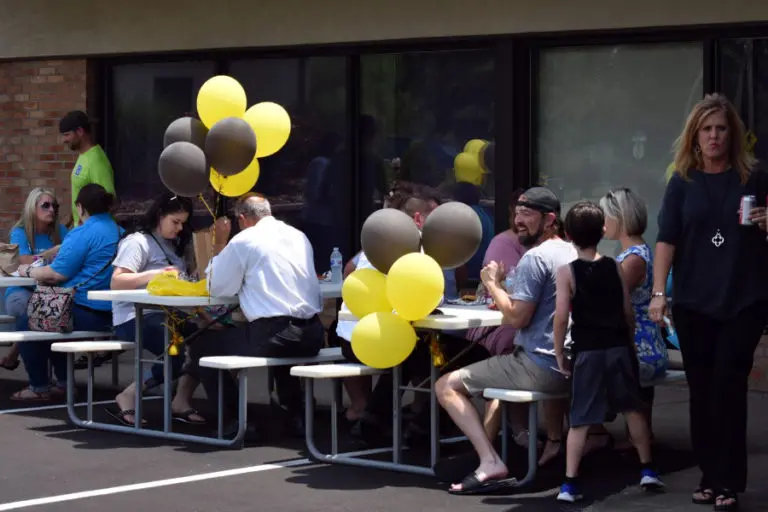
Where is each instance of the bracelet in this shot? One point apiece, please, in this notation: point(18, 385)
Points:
point(658, 294)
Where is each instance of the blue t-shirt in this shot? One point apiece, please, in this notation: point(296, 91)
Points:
point(86, 255)
point(534, 281)
point(43, 242)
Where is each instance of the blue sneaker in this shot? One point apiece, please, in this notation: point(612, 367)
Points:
point(650, 481)
point(569, 493)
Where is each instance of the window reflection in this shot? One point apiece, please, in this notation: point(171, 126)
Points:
point(419, 111)
point(608, 117)
point(307, 181)
point(146, 98)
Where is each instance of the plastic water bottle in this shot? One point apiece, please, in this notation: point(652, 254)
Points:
point(509, 280)
point(336, 265)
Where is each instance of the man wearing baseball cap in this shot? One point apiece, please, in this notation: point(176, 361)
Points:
point(529, 306)
point(92, 164)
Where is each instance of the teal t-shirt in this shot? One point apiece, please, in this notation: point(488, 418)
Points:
point(43, 242)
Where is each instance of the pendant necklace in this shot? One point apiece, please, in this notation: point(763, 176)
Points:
point(718, 239)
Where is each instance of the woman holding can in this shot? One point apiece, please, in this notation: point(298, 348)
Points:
point(720, 287)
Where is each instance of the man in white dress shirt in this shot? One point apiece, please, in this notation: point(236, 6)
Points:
point(269, 266)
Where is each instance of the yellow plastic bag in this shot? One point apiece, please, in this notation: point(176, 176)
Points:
point(169, 284)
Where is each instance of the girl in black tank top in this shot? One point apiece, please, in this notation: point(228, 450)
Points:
point(599, 320)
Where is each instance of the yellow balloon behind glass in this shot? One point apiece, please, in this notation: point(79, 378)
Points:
point(219, 97)
point(383, 340)
point(415, 285)
point(467, 168)
point(272, 126)
point(365, 291)
point(475, 146)
point(237, 184)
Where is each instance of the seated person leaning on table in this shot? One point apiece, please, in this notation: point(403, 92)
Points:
point(530, 307)
point(83, 261)
point(159, 244)
point(269, 266)
point(38, 235)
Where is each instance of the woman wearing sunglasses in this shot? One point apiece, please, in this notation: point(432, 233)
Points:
point(38, 235)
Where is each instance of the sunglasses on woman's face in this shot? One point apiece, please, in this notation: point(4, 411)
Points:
point(49, 206)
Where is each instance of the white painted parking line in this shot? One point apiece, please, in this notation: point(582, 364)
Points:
point(63, 406)
point(150, 485)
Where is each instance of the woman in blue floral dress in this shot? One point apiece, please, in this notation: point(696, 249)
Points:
point(626, 219)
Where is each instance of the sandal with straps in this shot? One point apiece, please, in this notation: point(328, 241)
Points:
point(726, 500)
point(703, 496)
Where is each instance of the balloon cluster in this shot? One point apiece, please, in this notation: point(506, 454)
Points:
point(224, 145)
point(477, 159)
point(406, 284)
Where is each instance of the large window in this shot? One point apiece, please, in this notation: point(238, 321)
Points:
point(145, 99)
point(307, 182)
point(420, 109)
point(608, 116)
point(744, 80)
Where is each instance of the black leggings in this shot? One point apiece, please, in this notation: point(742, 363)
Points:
point(718, 357)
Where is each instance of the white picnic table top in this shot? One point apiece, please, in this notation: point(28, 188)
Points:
point(454, 318)
point(328, 291)
point(7, 282)
point(23, 336)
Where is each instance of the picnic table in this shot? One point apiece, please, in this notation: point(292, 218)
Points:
point(449, 318)
point(142, 300)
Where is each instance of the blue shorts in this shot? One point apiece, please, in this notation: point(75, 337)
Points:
point(604, 382)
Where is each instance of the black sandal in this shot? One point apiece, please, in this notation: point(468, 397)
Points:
point(707, 496)
point(120, 416)
point(472, 486)
point(726, 495)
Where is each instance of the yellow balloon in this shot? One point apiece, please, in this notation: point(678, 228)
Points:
point(415, 285)
point(219, 97)
point(272, 126)
point(365, 291)
point(475, 146)
point(383, 340)
point(237, 184)
point(467, 168)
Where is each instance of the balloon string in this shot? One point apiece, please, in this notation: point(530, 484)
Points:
point(213, 234)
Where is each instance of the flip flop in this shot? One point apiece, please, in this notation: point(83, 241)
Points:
point(120, 416)
point(32, 396)
point(186, 417)
point(472, 486)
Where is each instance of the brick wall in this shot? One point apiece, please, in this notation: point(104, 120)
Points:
point(33, 97)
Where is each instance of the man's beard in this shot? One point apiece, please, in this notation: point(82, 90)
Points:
point(531, 239)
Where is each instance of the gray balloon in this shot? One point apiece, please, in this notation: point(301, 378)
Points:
point(452, 234)
point(183, 169)
point(387, 235)
point(186, 129)
point(230, 145)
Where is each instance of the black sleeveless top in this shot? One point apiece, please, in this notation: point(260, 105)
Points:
point(597, 306)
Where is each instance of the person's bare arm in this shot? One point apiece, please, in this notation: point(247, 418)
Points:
point(126, 279)
point(563, 282)
point(629, 312)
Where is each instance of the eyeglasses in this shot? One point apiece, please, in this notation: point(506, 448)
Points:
point(49, 206)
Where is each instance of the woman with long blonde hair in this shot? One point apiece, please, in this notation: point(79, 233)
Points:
point(38, 234)
point(720, 287)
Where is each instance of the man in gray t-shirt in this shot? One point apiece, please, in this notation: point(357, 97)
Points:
point(531, 309)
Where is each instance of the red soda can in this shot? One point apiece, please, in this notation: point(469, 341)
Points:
point(747, 203)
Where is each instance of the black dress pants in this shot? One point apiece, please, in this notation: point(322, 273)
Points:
point(266, 337)
point(718, 357)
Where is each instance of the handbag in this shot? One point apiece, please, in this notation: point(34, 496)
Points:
point(9, 258)
point(50, 307)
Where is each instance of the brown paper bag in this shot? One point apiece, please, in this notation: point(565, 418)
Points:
point(203, 245)
point(9, 258)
